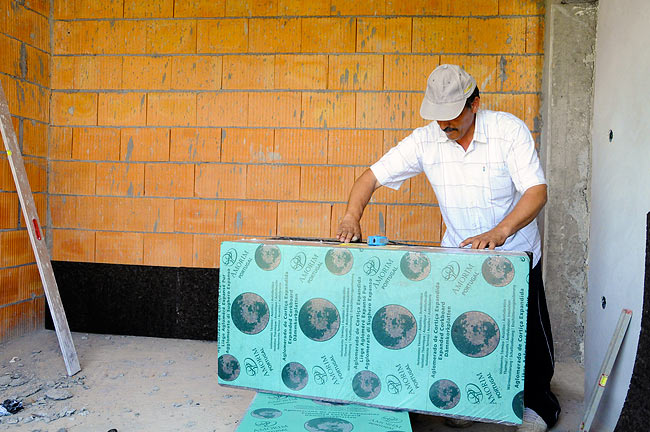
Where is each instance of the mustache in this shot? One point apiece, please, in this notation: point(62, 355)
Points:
point(449, 129)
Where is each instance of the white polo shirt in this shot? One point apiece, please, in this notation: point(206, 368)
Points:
point(476, 188)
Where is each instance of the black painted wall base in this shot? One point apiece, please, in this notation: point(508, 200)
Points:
point(636, 410)
point(133, 300)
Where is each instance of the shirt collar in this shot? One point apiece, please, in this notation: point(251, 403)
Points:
point(479, 130)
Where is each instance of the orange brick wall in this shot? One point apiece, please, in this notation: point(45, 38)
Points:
point(25, 78)
point(177, 124)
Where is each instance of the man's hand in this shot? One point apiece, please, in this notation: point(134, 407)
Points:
point(488, 240)
point(349, 229)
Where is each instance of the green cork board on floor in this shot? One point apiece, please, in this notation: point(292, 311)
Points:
point(432, 330)
point(280, 413)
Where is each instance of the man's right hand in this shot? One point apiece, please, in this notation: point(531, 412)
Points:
point(349, 229)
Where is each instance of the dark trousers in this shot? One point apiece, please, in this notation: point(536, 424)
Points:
point(540, 357)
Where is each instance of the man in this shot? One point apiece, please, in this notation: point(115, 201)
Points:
point(490, 187)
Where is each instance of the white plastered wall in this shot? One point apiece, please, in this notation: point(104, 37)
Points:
point(620, 193)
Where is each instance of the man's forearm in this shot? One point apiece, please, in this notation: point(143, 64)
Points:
point(362, 190)
point(527, 209)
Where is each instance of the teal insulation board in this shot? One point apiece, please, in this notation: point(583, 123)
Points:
point(279, 413)
point(432, 330)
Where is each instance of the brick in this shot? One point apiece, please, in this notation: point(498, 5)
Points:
point(301, 72)
point(169, 180)
point(27, 26)
point(250, 8)
point(222, 109)
point(328, 35)
point(248, 145)
point(368, 7)
point(387, 195)
point(273, 182)
point(304, 219)
point(383, 35)
point(301, 146)
point(77, 178)
point(441, 35)
point(381, 110)
point(280, 109)
point(121, 179)
point(150, 73)
point(100, 37)
point(354, 147)
point(63, 9)
point(497, 35)
point(373, 221)
point(417, 120)
point(112, 213)
point(198, 145)
point(355, 72)
point(98, 73)
point(251, 218)
point(148, 8)
point(96, 144)
point(34, 138)
point(532, 115)
point(408, 72)
point(74, 37)
point(205, 251)
point(132, 38)
point(119, 247)
point(521, 7)
point(272, 35)
point(220, 181)
point(178, 109)
point(36, 169)
point(199, 216)
point(411, 7)
point(199, 8)
point(28, 100)
point(122, 109)
point(6, 178)
point(222, 36)
point(74, 108)
point(328, 110)
point(73, 245)
point(170, 250)
point(11, 50)
point(144, 144)
point(534, 35)
point(96, 9)
point(324, 183)
point(482, 68)
point(10, 283)
point(248, 72)
point(60, 143)
point(29, 281)
point(171, 36)
point(9, 209)
point(520, 74)
point(466, 8)
point(38, 66)
point(40, 6)
point(15, 248)
point(421, 190)
point(513, 103)
point(413, 223)
point(303, 7)
point(196, 73)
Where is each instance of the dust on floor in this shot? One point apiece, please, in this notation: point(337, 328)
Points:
point(132, 384)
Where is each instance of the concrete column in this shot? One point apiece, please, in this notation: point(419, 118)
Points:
point(567, 96)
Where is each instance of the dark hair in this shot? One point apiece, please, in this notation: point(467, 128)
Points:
point(470, 99)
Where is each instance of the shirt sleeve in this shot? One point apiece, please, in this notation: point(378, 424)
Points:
point(523, 162)
point(399, 164)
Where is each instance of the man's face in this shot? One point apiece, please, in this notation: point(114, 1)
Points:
point(457, 128)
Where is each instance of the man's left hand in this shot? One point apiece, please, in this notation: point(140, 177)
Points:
point(488, 240)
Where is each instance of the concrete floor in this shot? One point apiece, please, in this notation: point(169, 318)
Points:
point(148, 384)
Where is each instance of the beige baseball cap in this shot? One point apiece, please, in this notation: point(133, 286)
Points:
point(448, 87)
